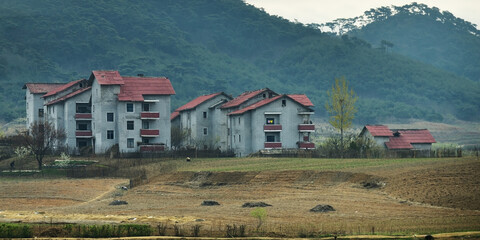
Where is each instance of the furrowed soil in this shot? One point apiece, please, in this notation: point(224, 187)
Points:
point(424, 198)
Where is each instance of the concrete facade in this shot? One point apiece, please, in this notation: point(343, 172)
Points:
point(133, 112)
point(253, 121)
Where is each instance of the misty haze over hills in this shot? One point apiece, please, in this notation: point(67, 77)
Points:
point(206, 46)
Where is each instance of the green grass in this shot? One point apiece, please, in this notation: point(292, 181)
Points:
point(279, 164)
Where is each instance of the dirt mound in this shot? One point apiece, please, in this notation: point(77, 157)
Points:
point(322, 208)
point(255, 204)
point(210, 203)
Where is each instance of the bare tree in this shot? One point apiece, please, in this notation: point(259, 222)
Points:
point(40, 137)
point(178, 135)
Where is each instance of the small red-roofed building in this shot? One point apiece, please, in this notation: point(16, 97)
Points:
point(108, 109)
point(399, 139)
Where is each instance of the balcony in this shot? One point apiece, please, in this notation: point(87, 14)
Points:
point(152, 148)
point(83, 116)
point(149, 115)
point(272, 128)
point(83, 134)
point(149, 133)
point(306, 145)
point(306, 128)
point(273, 145)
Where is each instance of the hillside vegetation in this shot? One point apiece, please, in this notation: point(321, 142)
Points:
point(205, 46)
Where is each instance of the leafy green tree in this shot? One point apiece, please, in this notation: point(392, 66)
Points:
point(260, 214)
point(341, 107)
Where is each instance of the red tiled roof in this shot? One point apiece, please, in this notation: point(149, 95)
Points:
point(256, 105)
point(417, 135)
point(61, 88)
point(134, 88)
point(242, 98)
point(379, 130)
point(68, 96)
point(41, 87)
point(108, 77)
point(406, 137)
point(174, 115)
point(197, 101)
point(400, 142)
point(302, 99)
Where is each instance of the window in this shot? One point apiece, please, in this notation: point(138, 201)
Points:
point(82, 126)
point(83, 108)
point(239, 138)
point(82, 143)
point(204, 114)
point(146, 107)
point(110, 134)
point(145, 124)
point(238, 120)
point(145, 140)
point(130, 143)
point(205, 131)
point(40, 112)
point(109, 117)
point(130, 125)
point(270, 120)
point(271, 138)
point(234, 138)
point(284, 103)
point(130, 107)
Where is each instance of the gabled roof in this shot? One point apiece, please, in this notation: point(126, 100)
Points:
point(107, 77)
point(404, 138)
point(256, 105)
point(174, 115)
point(243, 98)
point(41, 87)
point(194, 103)
point(61, 99)
point(134, 88)
point(62, 88)
point(379, 130)
point(302, 99)
point(197, 101)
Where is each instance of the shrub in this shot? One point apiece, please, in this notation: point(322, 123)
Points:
point(260, 214)
point(12, 230)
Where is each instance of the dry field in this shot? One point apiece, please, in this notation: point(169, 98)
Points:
point(415, 197)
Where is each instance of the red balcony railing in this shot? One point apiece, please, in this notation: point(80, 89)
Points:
point(83, 116)
point(84, 134)
point(306, 145)
point(272, 127)
point(306, 127)
point(149, 115)
point(273, 145)
point(149, 132)
point(152, 148)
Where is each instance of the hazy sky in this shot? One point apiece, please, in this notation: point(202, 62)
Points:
point(321, 11)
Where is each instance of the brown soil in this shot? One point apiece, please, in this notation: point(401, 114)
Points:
point(440, 196)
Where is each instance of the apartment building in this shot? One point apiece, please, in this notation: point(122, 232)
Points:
point(105, 110)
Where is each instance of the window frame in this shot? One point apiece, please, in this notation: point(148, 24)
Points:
point(112, 134)
point(268, 122)
point(130, 142)
point(127, 107)
point(113, 116)
point(130, 125)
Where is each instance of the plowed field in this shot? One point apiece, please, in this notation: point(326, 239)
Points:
point(422, 198)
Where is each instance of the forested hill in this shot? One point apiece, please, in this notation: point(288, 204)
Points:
point(205, 46)
point(418, 31)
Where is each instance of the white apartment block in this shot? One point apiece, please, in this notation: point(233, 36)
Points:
point(105, 110)
point(253, 121)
